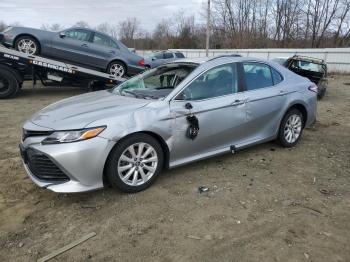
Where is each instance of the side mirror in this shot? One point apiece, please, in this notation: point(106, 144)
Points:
point(62, 35)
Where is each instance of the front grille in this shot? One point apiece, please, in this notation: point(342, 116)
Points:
point(43, 168)
point(30, 133)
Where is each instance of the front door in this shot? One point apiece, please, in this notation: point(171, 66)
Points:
point(214, 99)
point(73, 46)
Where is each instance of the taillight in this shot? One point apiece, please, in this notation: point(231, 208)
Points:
point(313, 88)
point(142, 62)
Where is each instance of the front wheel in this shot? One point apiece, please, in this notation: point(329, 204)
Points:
point(27, 45)
point(117, 69)
point(135, 163)
point(291, 128)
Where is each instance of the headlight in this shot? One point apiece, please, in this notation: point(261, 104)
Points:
point(73, 135)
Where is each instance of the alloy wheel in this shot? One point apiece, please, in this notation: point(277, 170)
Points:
point(137, 164)
point(27, 46)
point(292, 128)
point(117, 70)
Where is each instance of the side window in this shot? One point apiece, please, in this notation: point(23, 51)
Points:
point(168, 55)
point(159, 56)
point(103, 40)
point(179, 55)
point(218, 81)
point(78, 34)
point(257, 75)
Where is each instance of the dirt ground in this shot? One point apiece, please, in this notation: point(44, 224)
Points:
point(265, 203)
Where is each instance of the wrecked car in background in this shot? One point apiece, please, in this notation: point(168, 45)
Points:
point(312, 68)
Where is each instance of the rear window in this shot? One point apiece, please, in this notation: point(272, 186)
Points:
point(277, 77)
point(308, 66)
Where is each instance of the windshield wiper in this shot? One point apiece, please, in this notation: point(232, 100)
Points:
point(133, 93)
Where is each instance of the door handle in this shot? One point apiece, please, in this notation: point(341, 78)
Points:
point(84, 45)
point(237, 102)
point(282, 92)
point(111, 52)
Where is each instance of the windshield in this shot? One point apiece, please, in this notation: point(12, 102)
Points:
point(156, 83)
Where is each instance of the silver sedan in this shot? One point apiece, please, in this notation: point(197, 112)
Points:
point(169, 116)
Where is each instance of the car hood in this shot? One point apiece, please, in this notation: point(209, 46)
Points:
point(78, 111)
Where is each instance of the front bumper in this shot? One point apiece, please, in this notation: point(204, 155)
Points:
point(82, 162)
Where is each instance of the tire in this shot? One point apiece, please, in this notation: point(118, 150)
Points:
point(28, 45)
point(121, 165)
point(9, 85)
point(291, 128)
point(117, 68)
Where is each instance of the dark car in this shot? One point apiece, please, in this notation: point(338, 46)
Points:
point(162, 57)
point(77, 45)
point(312, 68)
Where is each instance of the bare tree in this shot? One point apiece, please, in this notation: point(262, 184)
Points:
point(162, 35)
point(342, 22)
point(108, 29)
point(54, 27)
point(82, 24)
point(128, 30)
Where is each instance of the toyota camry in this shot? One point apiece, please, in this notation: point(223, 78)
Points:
point(180, 112)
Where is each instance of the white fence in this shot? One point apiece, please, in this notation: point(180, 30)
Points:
point(337, 59)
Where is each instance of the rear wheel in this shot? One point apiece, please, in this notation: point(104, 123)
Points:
point(8, 84)
point(117, 68)
point(291, 128)
point(28, 45)
point(135, 163)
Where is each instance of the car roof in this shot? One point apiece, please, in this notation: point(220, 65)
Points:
point(216, 60)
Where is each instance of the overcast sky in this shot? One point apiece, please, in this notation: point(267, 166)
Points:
point(34, 13)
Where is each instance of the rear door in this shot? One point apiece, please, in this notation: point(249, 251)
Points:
point(104, 49)
point(74, 46)
point(265, 100)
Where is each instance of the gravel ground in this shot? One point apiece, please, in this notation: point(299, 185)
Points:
point(265, 203)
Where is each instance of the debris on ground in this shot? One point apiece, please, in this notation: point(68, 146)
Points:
point(194, 237)
point(67, 247)
point(203, 189)
point(325, 191)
